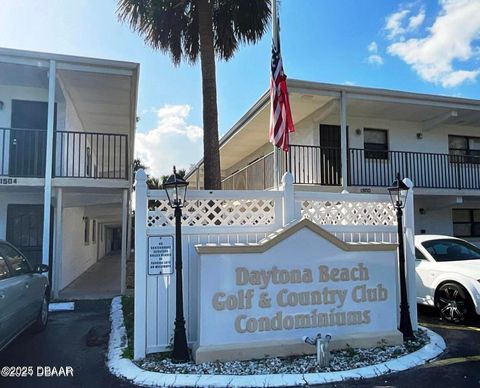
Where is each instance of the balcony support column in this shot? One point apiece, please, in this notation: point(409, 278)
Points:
point(125, 253)
point(47, 202)
point(57, 262)
point(343, 140)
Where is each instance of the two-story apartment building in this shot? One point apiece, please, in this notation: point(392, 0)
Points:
point(356, 139)
point(67, 129)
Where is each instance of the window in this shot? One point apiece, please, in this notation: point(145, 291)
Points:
point(375, 143)
point(466, 222)
point(18, 263)
point(451, 250)
point(419, 255)
point(4, 272)
point(94, 231)
point(466, 149)
point(86, 230)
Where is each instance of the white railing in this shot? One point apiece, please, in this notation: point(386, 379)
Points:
point(227, 216)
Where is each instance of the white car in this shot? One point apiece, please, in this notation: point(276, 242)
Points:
point(448, 276)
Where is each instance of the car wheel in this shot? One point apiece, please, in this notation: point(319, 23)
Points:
point(453, 303)
point(42, 318)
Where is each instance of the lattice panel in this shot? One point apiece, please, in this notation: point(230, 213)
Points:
point(215, 212)
point(349, 213)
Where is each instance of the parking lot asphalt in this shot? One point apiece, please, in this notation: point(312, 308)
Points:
point(64, 344)
point(69, 341)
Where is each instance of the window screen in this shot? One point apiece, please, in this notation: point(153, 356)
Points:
point(94, 231)
point(466, 148)
point(466, 222)
point(86, 231)
point(375, 143)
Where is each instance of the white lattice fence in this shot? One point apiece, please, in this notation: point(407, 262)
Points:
point(348, 212)
point(215, 212)
point(350, 217)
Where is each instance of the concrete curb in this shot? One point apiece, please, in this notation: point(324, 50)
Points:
point(125, 368)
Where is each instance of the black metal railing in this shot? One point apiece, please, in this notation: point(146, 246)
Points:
point(314, 165)
point(258, 175)
point(426, 170)
point(22, 152)
point(76, 154)
point(91, 155)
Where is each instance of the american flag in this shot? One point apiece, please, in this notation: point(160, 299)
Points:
point(281, 123)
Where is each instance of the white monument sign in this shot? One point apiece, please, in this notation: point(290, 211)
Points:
point(160, 255)
point(260, 300)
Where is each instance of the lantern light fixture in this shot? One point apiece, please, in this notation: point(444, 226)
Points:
point(176, 189)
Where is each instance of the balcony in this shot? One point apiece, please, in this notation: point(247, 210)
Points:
point(76, 154)
point(315, 165)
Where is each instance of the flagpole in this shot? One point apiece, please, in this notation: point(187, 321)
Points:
point(275, 42)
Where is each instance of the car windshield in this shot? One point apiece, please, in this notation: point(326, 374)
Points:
point(451, 250)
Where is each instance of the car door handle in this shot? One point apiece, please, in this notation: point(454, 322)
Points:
point(27, 285)
point(2, 296)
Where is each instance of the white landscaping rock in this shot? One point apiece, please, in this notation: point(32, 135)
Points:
point(125, 368)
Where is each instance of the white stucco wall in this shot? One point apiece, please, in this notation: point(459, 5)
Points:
point(66, 142)
point(77, 256)
point(437, 217)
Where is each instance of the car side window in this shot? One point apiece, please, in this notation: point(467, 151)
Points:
point(4, 271)
point(18, 263)
point(419, 255)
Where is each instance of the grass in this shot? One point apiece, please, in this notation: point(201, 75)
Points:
point(127, 306)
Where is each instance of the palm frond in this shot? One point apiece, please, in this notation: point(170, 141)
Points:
point(161, 23)
point(239, 21)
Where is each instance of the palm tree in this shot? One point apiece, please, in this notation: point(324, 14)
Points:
point(189, 29)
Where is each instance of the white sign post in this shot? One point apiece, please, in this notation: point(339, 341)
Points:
point(160, 255)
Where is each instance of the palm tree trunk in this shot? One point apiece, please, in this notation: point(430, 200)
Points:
point(211, 154)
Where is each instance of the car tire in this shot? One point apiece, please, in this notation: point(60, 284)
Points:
point(42, 318)
point(453, 303)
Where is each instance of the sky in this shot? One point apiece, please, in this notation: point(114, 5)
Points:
point(428, 46)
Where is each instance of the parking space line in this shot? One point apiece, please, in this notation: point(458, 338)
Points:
point(468, 328)
point(450, 361)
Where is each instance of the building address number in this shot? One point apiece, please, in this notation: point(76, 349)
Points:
point(8, 181)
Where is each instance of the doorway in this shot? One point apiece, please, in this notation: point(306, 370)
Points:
point(116, 243)
point(28, 138)
point(330, 155)
point(25, 230)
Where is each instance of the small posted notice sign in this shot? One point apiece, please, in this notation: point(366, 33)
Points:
point(160, 255)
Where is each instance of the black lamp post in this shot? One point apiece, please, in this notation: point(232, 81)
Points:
point(398, 194)
point(176, 189)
